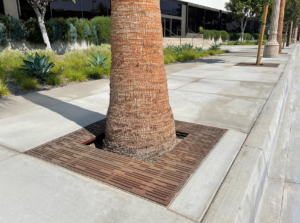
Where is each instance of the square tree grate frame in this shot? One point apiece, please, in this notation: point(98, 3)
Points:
point(158, 182)
point(244, 64)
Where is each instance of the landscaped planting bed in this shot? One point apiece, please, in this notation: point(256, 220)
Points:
point(72, 67)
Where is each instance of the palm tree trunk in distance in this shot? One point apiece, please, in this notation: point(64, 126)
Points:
point(140, 122)
point(280, 24)
point(291, 33)
point(286, 30)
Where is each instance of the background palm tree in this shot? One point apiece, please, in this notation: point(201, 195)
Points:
point(280, 24)
point(140, 121)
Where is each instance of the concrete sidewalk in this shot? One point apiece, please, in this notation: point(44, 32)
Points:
point(210, 91)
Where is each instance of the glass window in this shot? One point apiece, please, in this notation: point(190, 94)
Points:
point(223, 21)
point(211, 20)
point(176, 27)
point(27, 11)
point(200, 19)
point(176, 9)
point(192, 15)
point(92, 8)
point(1, 7)
point(66, 9)
point(167, 27)
point(166, 7)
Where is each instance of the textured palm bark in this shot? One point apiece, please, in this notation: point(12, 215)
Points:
point(286, 30)
point(291, 34)
point(280, 24)
point(140, 122)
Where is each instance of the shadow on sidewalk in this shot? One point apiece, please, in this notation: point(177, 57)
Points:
point(74, 113)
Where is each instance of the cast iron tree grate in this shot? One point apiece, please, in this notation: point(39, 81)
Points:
point(158, 182)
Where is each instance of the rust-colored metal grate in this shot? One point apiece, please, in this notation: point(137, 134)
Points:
point(275, 65)
point(159, 182)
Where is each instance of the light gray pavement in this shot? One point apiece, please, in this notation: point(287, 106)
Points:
point(281, 197)
point(210, 91)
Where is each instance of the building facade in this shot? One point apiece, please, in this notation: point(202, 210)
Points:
point(178, 17)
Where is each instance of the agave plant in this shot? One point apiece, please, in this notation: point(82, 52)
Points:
point(187, 46)
point(177, 49)
point(198, 49)
point(237, 42)
point(37, 67)
point(98, 60)
point(215, 46)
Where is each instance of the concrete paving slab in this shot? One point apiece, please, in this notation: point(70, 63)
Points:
point(215, 110)
point(266, 70)
point(6, 153)
point(293, 167)
point(229, 87)
point(194, 73)
point(29, 102)
point(215, 67)
point(176, 82)
point(271, 202)
point(236, 200)
point(30, 129)
point(291, 203)
point(238, 76)
point(197, 194)
point(32, 191)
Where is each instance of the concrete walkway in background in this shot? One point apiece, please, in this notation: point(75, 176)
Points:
point(210, 91)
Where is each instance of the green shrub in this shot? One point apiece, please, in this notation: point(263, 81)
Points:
point(3, 89)
point(216, 34)
point(224, 35)
point(96, 72)
point(3, 35)
point(247, 36)
point(11, 59)
point(82, 27)
point(18, 32)
point(256, 36)
point(28, 83)
point(206, 34)
point(74, 76)
point(234, 36)
point(169, 56)
point(54, 79)
point(6, 21)
point(101, 25)
point(33, 30)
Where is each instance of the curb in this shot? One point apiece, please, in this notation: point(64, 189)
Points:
point(238, 198)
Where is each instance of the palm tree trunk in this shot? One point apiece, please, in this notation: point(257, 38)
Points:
point(286, 30)
point(140, 121)
point(280, 24)
point(291, 32)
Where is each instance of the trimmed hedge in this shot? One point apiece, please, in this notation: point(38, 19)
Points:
point(214, 34)
point(224, 35)
point(68, 30)
point(102, 26)
point(247, 36)
point(234, 36)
